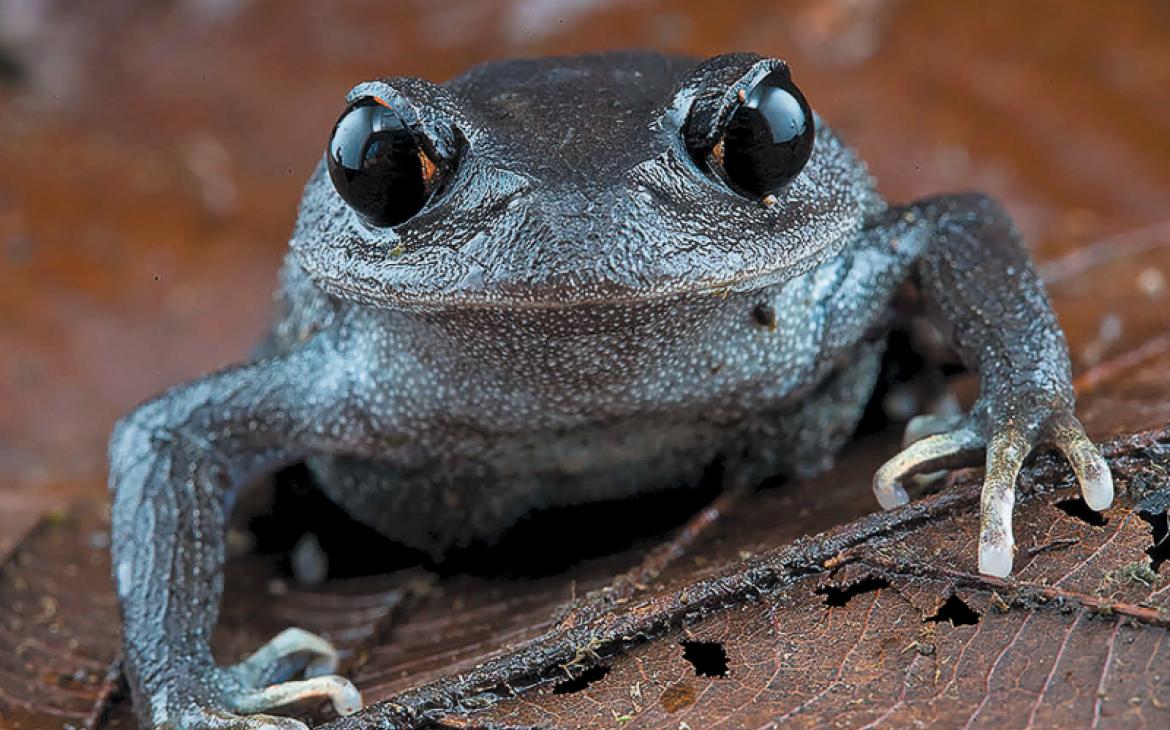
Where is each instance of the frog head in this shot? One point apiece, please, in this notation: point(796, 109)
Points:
point(549, 183)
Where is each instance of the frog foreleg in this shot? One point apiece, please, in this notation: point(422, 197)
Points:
point(981, 288)
point(175, 465)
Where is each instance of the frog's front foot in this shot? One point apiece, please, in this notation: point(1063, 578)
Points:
point(1007, 435)
point(239, 697)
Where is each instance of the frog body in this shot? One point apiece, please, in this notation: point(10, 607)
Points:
point(554, 281)
point(550, 407)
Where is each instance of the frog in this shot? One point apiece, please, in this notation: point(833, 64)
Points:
point(562, 280)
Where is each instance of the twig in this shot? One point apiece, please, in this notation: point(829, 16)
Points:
point(1155, 616)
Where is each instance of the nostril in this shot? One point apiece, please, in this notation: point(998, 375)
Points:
point(765, 316)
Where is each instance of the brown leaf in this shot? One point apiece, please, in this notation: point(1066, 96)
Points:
point(57, 650)
point(880, 620)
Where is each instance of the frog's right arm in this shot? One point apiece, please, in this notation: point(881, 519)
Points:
point(175, 465)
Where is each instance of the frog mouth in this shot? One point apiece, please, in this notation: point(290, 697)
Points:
point(367, 284)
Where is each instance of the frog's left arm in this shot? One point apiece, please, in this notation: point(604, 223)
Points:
point(981, 289)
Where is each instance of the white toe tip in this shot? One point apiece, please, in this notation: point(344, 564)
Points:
point(348, 701)
point(995, 560)
point(890, 496)
point(1098, 492)
point(892, 500)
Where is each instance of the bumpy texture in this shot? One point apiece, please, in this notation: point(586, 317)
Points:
point(580, 312)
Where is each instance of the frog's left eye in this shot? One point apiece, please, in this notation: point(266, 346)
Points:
point(378, 165)
point(767, 138)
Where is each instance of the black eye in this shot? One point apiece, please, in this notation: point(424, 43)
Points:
point(377, 164)
point(768, 137)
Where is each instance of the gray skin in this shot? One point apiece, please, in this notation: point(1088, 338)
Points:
point(581, 311)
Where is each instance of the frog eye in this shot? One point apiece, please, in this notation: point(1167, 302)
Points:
point(377, 164)
point(767, 138)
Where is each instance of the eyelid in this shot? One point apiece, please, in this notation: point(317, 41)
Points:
point(722, 133)
point(712, 105)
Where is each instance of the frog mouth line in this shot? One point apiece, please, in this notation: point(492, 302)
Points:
point(349, 288)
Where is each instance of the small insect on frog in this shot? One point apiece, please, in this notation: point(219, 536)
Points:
point(562, 280)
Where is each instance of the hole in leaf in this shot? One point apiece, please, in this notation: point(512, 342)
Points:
point(955, 610)
point(1159, 550)
point(839, 596)
point(581, 681)
point(707, 657)
point(1076, 507)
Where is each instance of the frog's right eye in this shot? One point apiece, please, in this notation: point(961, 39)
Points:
point(378, 164)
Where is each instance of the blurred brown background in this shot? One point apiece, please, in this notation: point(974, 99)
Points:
point(152, 154)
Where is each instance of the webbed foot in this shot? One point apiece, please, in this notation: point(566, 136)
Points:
point(1007, 440)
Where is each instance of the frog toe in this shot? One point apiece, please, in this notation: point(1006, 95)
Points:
point(338, 691)
point(1005, 456)
point(1065, 432)
point(264, 678)
point(1006, 452)
point(958, 447)
point(199, 698)
point(291, 652)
